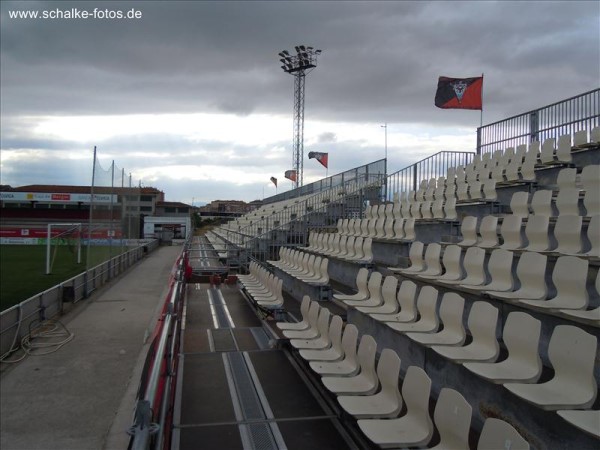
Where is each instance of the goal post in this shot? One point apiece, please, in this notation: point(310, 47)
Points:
point(71, 227)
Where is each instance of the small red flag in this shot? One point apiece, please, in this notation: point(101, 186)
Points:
point(290, 175)
point(319, 156)
point(459, 93)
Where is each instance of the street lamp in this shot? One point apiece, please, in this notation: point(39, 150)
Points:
point(299, 65)
point(385, 126)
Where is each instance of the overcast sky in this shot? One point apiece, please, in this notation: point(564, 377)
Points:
point(190, 97)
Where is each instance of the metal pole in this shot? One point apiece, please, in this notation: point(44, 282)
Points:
point(48, 237)
point(87, 256)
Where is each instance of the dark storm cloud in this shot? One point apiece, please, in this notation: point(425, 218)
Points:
point(380, 60)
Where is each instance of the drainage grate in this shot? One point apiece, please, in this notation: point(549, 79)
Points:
point(261, 338)
point(261, 436)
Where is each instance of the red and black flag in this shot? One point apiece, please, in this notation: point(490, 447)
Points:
point(459, 93)
point(290, 175)
point(319, 156)
point(274, 181)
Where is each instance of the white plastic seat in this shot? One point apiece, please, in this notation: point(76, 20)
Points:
point(406, 298)
point(348, 365)
point(563, 149)
point(334, 352)
point(523, 365)
point(500, 269)
point(531, 272)
point(365, 382)
point(567, 232)
point(572, 353)
point(417, 263)
point(593, 235)
point(374, 288)
point(497, 434)
point(428, 321)
point(488, 230)
point(567, 178)
point(361, 285)
point(453, 333)
point(437, 208)
point(387, 403)
point(452, 418)
point(580, 139)
point(519, 204)
point(484, 347)
point(367, 249)
point(451, 260)
point(591, 202)
point(512, 233)
point(426, 212)
point(450, 209)
point(588, 420)
point(388, 229)
point(433, 265)
point(312, 330)
point(399, 229)
point(321, 341)
point(541, 203)
point(468, 230)
point(569, 277)
point(473, 264)
point(548, 150)
point(590, 177)
point(409, 230)
point(303, 324)
point(537, 233)
point(489, 190)
point(388, 294)
point(567, 202)
point(413, 429)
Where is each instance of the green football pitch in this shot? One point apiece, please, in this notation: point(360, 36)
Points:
point(23, 269)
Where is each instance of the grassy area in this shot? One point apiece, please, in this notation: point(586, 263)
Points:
point(23, 269)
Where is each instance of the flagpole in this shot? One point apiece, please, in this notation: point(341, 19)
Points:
point(481, 115)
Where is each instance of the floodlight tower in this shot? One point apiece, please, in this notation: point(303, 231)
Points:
point(299, 65)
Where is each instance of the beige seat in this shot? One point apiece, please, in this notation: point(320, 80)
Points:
point(541, 203)
point(588, 421)
point(398, 229)
point(569, 277)
point(482, 323)
point(537, 234)
point(388, 294)
point(452, 418)
point(567, 178)
point(415, 428)
point(321, 341)
point(468, 230)
point(593, 235)
point(303, 324)
point(406, 297)
point(567, 232)
point(361, 285)
point(417, 263)
point(451, 260)
point(512, 233)
point(365, 382)
point(497, 434)
point(387, 402)
point(335, 351)
point(567, 202)
point(488, 230)
point(274, 300)
point(523, 364)
point(519, 204)
point(474, 268)
point(453, 333)
point(409, 230)
point(531, 272)
point(348, 365)
point(450, 209)
point(428, 321)
point(312, 331)
point(433, 265)
point(500, 269)
point(374, 287)
point(591, 202)
point(572, 353)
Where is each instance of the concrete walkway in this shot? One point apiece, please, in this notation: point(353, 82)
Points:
point(82, 396)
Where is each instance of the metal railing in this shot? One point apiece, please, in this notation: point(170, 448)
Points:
point(372, 171)
point(564, 117)
point(434, 166)
point(16, 321)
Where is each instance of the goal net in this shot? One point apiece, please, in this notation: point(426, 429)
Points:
point(63, 245)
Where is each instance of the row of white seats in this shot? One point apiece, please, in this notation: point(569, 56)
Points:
point(349, 248)
point(538, 234)
point(569, 277)
point(308, 268)
point(440, 209)
point(265, 289)
point(571, 351)
point(567, 202)
point(371, 393)
point(379, 229)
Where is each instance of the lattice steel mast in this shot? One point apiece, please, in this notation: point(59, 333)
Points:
point(299, 66)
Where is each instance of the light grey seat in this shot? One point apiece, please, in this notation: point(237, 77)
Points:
point(512, 233)
point(374, 287)
point(473, 264)
point(488, 230)
point(335, 351)
point(537, 233)
point(321, 341)
point(388, 294)
point(312, 330)
point(497, 434)
point(588, 420)
point(453, 333)
point(500, 269)
point(361, 285)
point(531, 272)
point(428, 321)
point(452, 418)
point(468, 229)
point(303, 324)
point(417, 263)
point(451, 260)
point(348, 365)
point(406, 297)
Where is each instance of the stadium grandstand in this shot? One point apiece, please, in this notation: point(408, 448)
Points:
point(451, 304)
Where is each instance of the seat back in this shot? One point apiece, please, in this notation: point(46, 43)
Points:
point(537, 233)
point(450, 209)
point(388, 372)
point(521, 336)
point(452, 418)
point(531, 272)
point(409, 229)
point(547, 153)
point(567, 202)
point(358, 248)
point(367, 350)
point(399, 228)
point(593, 234)
point(482, 323)
point(432, 259)
point(541, 203)
point(374, 286)
point(362, 278)
point(488, 232)
point(367, 250)
point(416, 389)
point(519, 204)
point(590, 177)
point(451, 261)
point(451, 312)
point(468, 229)
point(567, 178)
point(406, 297)
point(591, 201)
point(500, 270)
point(474, 265)
point(572, 352)
point(569, 277)
point(323, 323)
point(388, 227)
point(388, 290)
point(512, 232)
point(567, 232)
point(415, 254)
point(349, 341)
point(497, 434)
point(563, 149)
point(426, 305)
point(335, 333)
